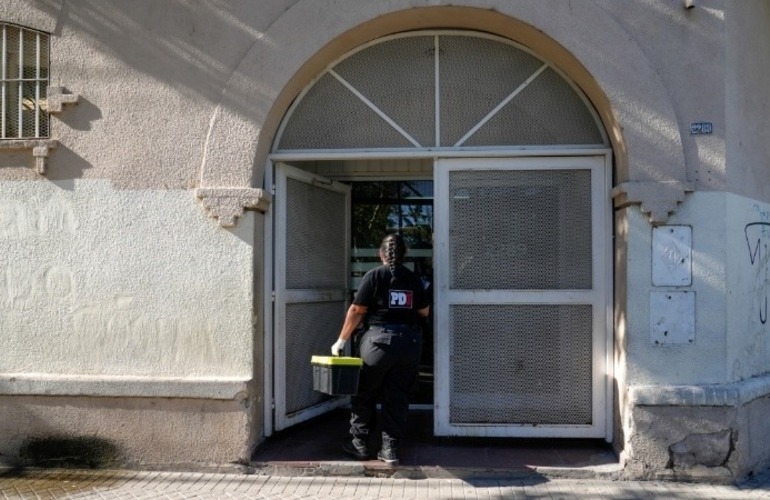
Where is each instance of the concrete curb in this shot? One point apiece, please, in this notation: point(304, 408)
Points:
point(374, 469)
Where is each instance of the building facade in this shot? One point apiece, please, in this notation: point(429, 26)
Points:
point(189, 191)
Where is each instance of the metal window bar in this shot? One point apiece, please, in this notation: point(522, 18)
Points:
point(37, 85)
point(20, 86)
point(4, 84)
point(12, 86)
point(437, 90)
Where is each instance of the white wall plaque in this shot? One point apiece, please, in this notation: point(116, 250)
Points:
point(672, 317)
point(672, 256)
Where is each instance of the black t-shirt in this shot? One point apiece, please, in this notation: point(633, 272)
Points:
point(396, 303)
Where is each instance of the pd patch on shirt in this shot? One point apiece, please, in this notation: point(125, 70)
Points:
point(400, 299)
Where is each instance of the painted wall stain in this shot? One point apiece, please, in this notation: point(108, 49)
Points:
point(70, 452)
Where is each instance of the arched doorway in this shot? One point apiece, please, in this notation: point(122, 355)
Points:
point(519, 172)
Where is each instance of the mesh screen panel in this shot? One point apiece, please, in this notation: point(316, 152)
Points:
point(475, 75)
point(10, 124)
point(520, 229)
point(310, 329)
point(315, 242)
point(12, 49)
point(398, 77)
point(43, 112)
point(520, 364)
point(332, 117)
point(28, 110)
point(547, 111)
point(30, 54)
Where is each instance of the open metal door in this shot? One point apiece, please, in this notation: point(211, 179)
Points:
point(311, 274)
point(522, 297)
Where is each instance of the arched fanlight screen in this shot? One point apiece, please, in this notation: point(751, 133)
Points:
point(439, 91)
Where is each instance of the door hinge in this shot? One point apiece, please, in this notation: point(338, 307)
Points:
point(272, 189)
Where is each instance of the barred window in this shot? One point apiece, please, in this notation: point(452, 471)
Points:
point(23, 83)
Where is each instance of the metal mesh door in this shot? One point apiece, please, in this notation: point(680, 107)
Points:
point(518, 305)
point(311, 286)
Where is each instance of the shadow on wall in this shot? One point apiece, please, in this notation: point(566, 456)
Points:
point(194, 46)
point(69, 165)
point(82, 116)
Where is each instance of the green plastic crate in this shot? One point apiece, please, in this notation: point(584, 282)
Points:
point(336, 375)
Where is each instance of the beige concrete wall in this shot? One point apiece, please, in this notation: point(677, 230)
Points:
point(702, 361)
point(746, 103)
point(130, 294)
point(115, 281)
point(95, 281)
point(689, 58)
point(152, 72)
point(673, 390)
point(747, 228)
point(40, 16)
point(113, 432)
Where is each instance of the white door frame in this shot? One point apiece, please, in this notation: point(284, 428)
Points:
point(491, 153)
point(599, 297)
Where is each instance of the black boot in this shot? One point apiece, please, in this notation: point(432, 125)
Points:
point(389, 452)
point(356, 448)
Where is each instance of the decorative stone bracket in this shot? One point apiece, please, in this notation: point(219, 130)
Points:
point(657, 198)
point(226, 204)
point(41, 149)
point(58, 97)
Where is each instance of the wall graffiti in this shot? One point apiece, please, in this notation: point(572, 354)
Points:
point(125, 334)
point(44, 298)
point(19, 220)
point(23, 286)
point(757, 237)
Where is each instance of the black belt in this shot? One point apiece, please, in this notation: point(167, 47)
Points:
point(397, 327)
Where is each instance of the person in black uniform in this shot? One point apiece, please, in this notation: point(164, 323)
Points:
point(391, 302)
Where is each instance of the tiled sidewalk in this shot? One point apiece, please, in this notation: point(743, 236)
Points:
point(62, 484)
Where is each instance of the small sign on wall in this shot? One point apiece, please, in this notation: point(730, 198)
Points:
point(701, 128)
point(672, 317)
point(672, 256)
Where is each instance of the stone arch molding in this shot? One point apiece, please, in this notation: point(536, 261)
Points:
point(649, 160)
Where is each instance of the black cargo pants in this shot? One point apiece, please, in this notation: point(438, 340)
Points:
point(391, 355)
